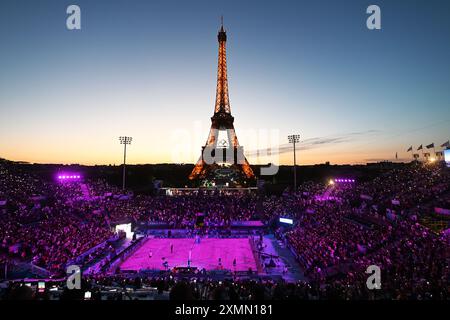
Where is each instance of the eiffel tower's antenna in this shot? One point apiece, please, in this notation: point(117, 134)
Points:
point(221, 21)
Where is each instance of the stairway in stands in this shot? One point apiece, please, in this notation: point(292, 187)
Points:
point(327, 192)
point(85, 191)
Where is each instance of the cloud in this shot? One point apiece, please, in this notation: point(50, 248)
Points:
point(313, 143)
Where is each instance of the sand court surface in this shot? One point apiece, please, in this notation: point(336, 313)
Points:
point(205, 254)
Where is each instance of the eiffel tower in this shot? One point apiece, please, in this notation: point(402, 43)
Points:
point(229, 166)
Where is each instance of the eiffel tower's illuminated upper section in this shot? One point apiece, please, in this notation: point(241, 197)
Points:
point(222, 97)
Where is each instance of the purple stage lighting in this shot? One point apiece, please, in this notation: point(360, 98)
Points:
point(69, 177)
point(341, 180)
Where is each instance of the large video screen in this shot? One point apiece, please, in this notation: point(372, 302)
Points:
point(447, 157)
point(286, 220)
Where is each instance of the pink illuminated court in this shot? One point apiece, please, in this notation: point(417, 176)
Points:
point(203, 255)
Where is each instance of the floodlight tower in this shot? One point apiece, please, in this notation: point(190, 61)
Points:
point(124, 140)
point(294, 138)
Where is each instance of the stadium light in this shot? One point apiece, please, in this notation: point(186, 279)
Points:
point(124, 140)
point(294, 138)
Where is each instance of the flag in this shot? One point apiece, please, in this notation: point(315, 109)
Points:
point(430, 146)
point(410, 149)
point(419, 148)
point(446, 144)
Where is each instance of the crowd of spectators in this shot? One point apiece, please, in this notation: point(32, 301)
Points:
point(341, 238)
point(172, 288)
point(334, 239)
point(44, 223)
